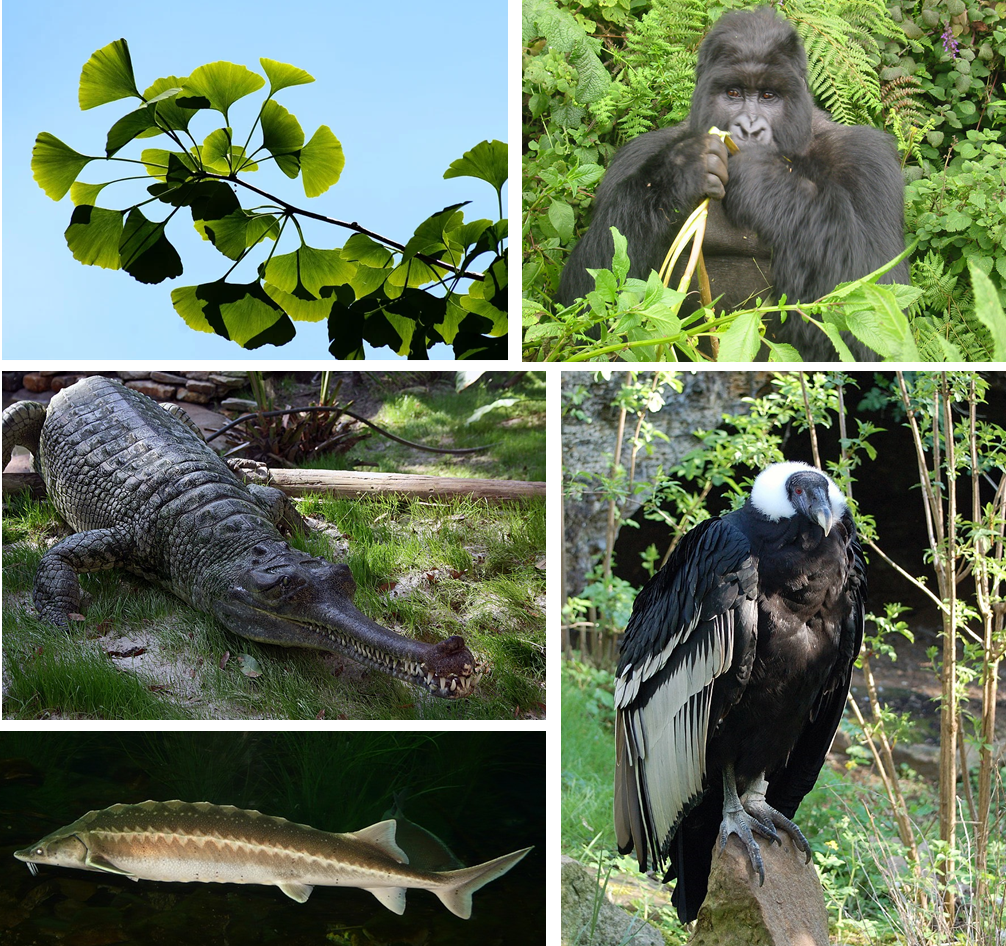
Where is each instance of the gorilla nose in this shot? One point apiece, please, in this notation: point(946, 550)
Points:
point(755, 131)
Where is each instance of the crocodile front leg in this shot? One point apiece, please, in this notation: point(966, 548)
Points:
point(21, 424)
point(57, 592)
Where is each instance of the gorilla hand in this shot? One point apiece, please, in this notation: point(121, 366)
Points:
point(715, 160)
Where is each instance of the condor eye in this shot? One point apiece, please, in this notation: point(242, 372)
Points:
point(797, 490)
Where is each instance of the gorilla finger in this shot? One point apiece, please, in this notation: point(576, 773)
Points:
point(714, 186)
point(716, 146)
point(716, 167)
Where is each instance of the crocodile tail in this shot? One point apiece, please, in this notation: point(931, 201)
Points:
point(22, 425)
point(459, 885)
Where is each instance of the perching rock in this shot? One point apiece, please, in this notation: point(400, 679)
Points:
point(787, 911)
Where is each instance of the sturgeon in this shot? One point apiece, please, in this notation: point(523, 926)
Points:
point(197, 841)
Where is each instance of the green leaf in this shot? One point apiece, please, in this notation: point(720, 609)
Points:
point(282, 75)
point(989, 310)
point(107, 76)
point(360, 248)
point(145, 252)
point(321, 161)
point(310, 269)
point(368, 279)
point(282, 137)
point(454, 315)
point(164, 164)
point(741, 341)
point(233, 234)
point(129, 127)
point(432, 238)
point(242, 312)
point(219, 85)
point(93, 236)
point(169, 113)
point(301, 310)
point(55, 166)
point(487, 161)
point(219, 154)
point(81, 193)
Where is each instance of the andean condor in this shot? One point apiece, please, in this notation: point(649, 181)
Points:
point(734, 672)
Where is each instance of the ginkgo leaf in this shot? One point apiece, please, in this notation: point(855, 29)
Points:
point(107, 76)
point(145, 252)
point(487, 161)
point(219, 85)
point(93, 236)
point(233, 234)
point(321, 162)
point(282, 137)
point(169, 113)
point(242, 312)
point(310, 268)
point(130, 126)
point(55, 166)
point(282, 75)
point(301, 310)
point(362, 249)
point(81, 193)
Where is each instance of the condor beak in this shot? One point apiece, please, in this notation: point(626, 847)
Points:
point(816, 506)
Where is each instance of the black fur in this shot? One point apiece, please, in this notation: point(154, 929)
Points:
point(804, 205)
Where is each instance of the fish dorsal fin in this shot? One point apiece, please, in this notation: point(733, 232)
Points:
point(382, 836)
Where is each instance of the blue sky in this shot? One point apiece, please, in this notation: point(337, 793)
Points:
point(406, 87)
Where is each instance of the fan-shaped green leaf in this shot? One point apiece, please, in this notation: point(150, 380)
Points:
point(169, 113)
point(233, 234)
point(310, 269)
point(301, 310)
point(93, 236)
point(282, 137)
point(238, 311)
point(161, 163)
point(55, 166)
point(130, 126)
point(145, 252)
point(321, 161)
point(81, 193)
point(487, 161)
point(107, 76)
point(219, 154)
point(220, 84)
point(367, 279)
point(282, 75)
point(362, 249)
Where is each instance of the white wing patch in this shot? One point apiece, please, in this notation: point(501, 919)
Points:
point(665, 739)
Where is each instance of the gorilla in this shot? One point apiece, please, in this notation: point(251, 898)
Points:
point(803, 205)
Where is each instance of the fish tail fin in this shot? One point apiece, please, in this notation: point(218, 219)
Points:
point(458, 885)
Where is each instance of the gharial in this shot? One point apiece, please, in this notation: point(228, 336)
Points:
point(734, 673)
point(145, 492)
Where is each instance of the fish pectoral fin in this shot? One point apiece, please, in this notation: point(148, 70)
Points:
point(392, 897)
point(100, 862)
point(298, 892)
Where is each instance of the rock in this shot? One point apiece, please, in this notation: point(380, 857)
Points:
point(133, 375)
point(192, 397)
point(580, 891)
point(238, 405)
point(38, 381)
point(201, 387)
point(164, 377)
point(159, 392)
point(921, 757)
point(64, 381)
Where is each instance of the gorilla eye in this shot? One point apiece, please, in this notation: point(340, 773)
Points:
point(734, 93)
point(769, 96)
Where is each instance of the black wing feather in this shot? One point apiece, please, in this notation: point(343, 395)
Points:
point(686, 656)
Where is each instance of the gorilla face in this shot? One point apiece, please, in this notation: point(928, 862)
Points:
point(750, 114)
point(752, 82)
